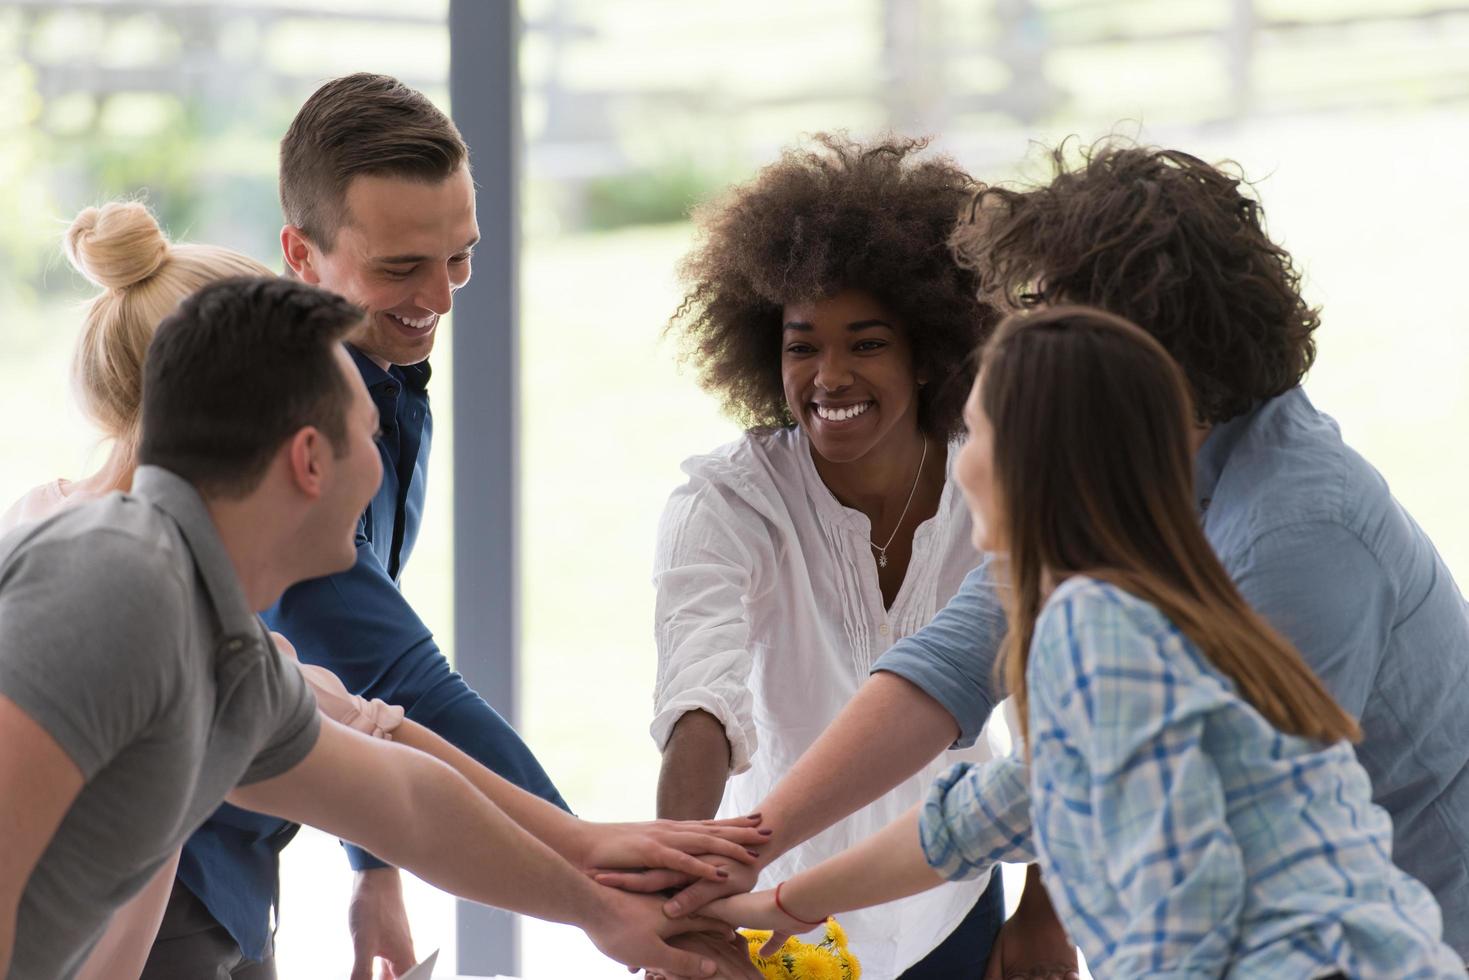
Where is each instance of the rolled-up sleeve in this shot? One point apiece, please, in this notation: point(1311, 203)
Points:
point(711, 549)
point(952, 659)
point(976, 816)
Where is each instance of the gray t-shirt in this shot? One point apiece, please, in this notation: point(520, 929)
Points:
point(125, 635)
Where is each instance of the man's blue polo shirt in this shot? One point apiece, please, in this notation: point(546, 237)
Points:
point(358, 625)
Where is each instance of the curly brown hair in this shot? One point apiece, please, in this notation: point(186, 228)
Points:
point(841, 215)
point(1165, 240)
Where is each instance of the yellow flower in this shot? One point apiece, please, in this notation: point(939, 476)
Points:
point(828, 960)
point(836, 936)
point(815, 963)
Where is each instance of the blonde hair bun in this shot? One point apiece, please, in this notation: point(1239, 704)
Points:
point(117, 245)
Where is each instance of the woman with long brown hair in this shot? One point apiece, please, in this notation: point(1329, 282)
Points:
point(1186, 783)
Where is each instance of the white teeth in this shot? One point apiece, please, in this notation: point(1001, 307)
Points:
point(419, 324)
point(842, 414)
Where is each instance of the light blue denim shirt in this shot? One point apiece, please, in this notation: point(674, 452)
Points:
point(1181, 835)
point(1317, 545)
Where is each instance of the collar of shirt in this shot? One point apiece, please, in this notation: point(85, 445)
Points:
point(390, 523)
point(836, 512)
point(383, 384)
point(177, 498)
point(1214, 454)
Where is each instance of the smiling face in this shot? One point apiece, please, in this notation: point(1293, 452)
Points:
point(847, 369)
point(974, 471)
point(355, 471)
point(401, 253)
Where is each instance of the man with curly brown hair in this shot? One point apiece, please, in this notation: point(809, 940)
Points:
point(1306, 528)
point(826, 312)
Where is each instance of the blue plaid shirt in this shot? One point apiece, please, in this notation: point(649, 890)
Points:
point(1318, 546)
point(1180, 834)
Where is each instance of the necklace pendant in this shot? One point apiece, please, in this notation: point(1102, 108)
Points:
point(882, 560)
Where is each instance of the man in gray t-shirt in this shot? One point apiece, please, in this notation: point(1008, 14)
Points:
point(128, 640)
point(139, 690)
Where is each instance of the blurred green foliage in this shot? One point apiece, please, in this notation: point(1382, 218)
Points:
point(648, 196)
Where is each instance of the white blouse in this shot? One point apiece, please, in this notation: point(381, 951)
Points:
point(769, 615)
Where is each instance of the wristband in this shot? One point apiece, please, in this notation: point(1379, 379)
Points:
point(789, 914)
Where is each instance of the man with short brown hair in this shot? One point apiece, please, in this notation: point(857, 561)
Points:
point(138, 687)
point(379, 207)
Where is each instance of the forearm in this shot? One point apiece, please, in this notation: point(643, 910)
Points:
point(890, 730)
point(419, 814)
point(471, 848)
point(545, 821)
point(695, 768)
point(885, 867)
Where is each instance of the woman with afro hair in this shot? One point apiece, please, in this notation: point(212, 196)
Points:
point(825, 311)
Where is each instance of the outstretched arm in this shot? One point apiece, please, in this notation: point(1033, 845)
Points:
point(377, 793)
point(974, 817)
point(358, 625)
point(655, 844)
point(930, 691)
point(885, 867)
point(885, 734)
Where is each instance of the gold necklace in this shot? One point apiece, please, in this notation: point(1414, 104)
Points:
point(882, 549)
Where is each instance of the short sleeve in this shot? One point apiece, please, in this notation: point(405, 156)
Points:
point(292, 720)
point(711, 552)
point(90, 628)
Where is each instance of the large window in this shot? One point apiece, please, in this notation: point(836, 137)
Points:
point(1350, 115)
point(1353, 115)
point(182, 105)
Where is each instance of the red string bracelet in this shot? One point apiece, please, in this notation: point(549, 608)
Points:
point(789, 914)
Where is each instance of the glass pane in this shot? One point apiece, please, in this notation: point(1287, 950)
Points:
point(183, 105)
point(636, 110)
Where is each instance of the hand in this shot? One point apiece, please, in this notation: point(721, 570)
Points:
point(693, 897)
point(1032, 945)
point(633, 930)
point(379, 924)
point(672, 845)
point(731, 956)
point(758, 910)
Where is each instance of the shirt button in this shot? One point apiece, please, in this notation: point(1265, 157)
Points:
point(235, 646)
point(883, 629)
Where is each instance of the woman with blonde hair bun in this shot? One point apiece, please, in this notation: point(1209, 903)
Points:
point(120, 247)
